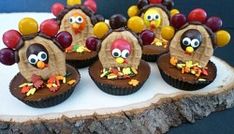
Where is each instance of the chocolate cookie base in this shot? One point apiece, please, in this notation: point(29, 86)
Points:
point(152, 52)
point(119, 87)
point(43, 97)
point(81, 60)
point(188, 82)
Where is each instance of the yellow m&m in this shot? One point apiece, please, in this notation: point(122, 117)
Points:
point(73, 2)
point(28, 26)
point(222, 38)
point(132, 11)
point(100, 29)
point(167, 32)
point(136, 24)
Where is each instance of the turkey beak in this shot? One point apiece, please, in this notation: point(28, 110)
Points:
point(75, 26)
point(119, 60)
point(152, 25)
point(41, 65)
point(189, 50)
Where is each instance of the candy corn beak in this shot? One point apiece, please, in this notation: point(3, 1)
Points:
point(154, 24)
point(41, 65)
point(189, 50)
point(119, 60)
point(75, 26)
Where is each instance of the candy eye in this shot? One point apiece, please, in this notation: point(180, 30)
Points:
point(156, 17)
point(195, 43)
point(150, 17)
point(72, 20)
point(79, 19)
point(116, 52)
point(125, 53)
point(186, 41)
point(42, 56)
point(32, 59)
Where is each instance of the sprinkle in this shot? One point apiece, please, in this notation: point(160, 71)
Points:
point(64, 80)
point(87, 50)
point(112, 76)
point(134, 70)
point(49, 85)
point(31, 92)
point(127, 71)
point(105, 73)
point(71, 82)
point(202, 80)
point(25, 89)
point(57, 82)
point(38, 84)
point(133, 82)
point(59, 77)
point(173, 61)
point(54, 85)
point(51, 79)
point(53, 89)
point(180, 66)
point(205, 72)
point(25, 84)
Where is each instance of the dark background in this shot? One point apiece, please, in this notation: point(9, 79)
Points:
point(217, 123)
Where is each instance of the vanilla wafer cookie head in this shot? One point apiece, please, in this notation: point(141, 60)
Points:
point(37, 52)
point(120, 70)
point(193, 40)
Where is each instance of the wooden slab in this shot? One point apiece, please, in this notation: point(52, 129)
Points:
point(153, 109)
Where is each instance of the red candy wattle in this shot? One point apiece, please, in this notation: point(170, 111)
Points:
point(91, 4)
point(197, 15)
point(178, 20)
point(7, 56)
point(57, 8)
point(92, 43)
point(147, 37)
point(49, 27)
point(11, 38)
point(64, 39)
point(155, 1)
point(214, 23)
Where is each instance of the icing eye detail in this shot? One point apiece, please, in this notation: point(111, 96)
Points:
point(72, 20)
point(195, 43)
point(125, 53)
point(79, 19)
point(42, 56)
point(150, 17)
point(186, 41)
point(32, 59)
point(116, 52)
point(156, 17)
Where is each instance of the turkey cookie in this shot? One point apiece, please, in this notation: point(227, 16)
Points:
point(187, 66)
point(156, 14)
point(78, 20)
point(120, 70)
point(44, 79)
